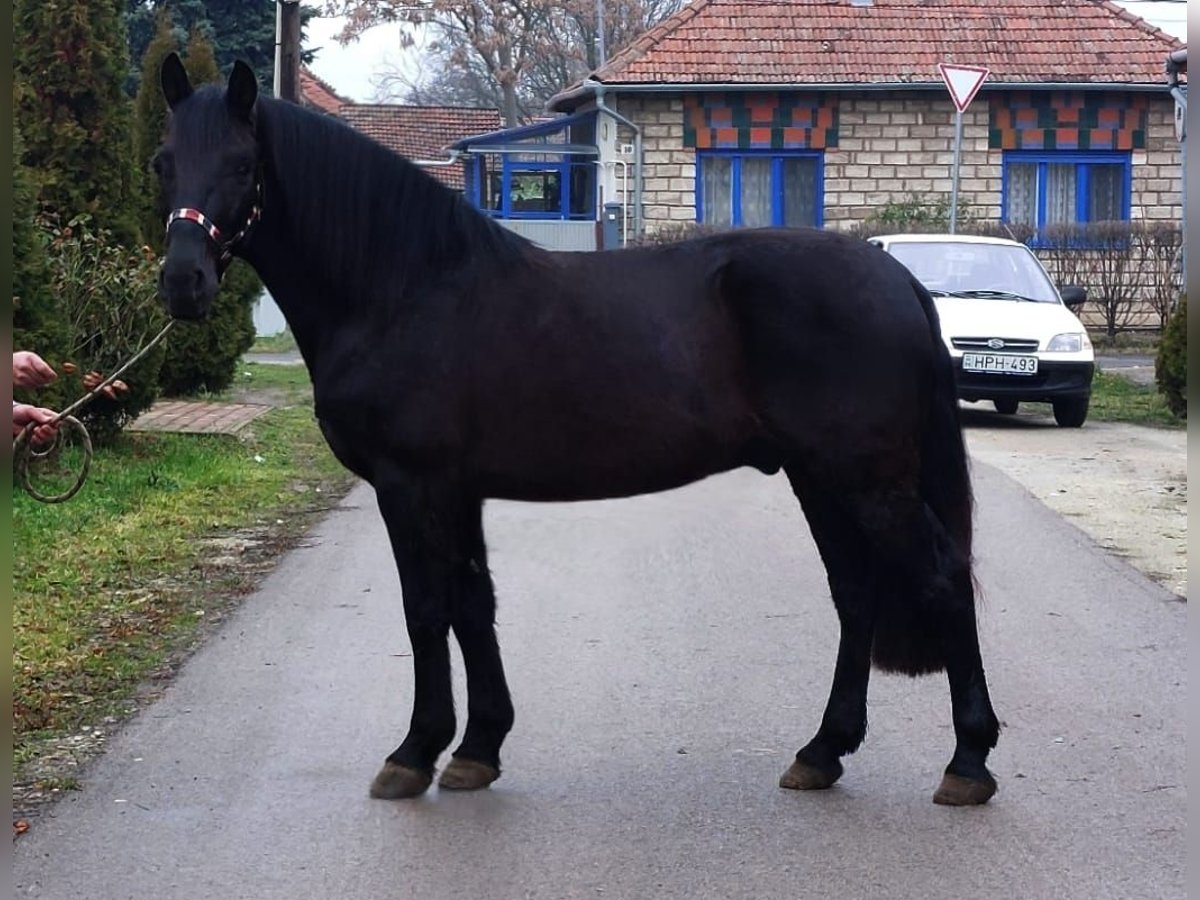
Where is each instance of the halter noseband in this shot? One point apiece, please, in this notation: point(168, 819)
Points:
point(225, 248)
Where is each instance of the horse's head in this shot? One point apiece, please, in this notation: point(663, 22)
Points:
point(209, 169)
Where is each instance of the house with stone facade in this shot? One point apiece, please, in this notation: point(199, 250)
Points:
point(822, 112)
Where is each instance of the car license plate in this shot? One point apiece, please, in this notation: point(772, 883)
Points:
point(1001, 363)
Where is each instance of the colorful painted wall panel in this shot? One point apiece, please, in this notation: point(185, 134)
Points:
point(1067, 120)
point(759, 121)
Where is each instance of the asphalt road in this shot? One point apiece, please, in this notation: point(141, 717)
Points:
point(667, 654)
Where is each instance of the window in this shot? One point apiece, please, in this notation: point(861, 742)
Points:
point(753, 189)
point(536, 190)
point(527, 189)
point(1047, 189)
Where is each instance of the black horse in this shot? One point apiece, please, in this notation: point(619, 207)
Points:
point(454, 361)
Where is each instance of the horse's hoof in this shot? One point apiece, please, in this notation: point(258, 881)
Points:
point(400, 782)
point(958, 791)
point(467, 775)
point(803, 777)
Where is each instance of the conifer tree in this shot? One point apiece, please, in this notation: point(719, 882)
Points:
point(75, 116)
point(150, 123)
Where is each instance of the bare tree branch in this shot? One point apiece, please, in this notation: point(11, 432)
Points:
point(514, 54)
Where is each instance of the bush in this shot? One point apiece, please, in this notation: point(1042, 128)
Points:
point(1170, 366)
point(674, 232)
point(919, 213)
point(109, 299)
point(203, 356)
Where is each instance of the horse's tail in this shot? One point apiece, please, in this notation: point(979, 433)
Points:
point(909, 635)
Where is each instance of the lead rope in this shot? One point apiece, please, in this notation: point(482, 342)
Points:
point(24, 451)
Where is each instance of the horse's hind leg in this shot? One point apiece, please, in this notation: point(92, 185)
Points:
point(476, 762)
point(905, 600)
point(967, 781)
point(420, 519)
point(926, 622)
point(844, 724)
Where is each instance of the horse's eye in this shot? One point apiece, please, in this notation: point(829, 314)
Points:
point(244, 169)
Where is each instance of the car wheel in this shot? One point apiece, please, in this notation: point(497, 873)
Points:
point(1071, 413)
point(1005, 407)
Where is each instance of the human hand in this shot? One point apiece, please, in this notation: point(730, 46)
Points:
point(24, 414)
point(31, 371)
point(93, 379)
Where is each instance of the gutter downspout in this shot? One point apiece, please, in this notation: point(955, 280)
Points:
point(456, 157)
point(597, 89)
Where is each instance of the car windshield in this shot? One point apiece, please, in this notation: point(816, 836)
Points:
point(1001, 271)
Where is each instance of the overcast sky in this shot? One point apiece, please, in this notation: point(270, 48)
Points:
point(349, 69)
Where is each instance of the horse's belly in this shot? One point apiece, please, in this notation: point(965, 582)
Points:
point(580, 464)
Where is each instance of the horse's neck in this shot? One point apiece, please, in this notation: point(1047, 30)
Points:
point(307, 317)
point(323, 252)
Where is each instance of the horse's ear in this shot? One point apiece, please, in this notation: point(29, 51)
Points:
point(242, 91)
point(174, 78)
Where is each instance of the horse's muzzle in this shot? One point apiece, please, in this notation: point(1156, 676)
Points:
point(187, 287)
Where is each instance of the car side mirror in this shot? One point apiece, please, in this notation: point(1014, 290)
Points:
point(1073, 295)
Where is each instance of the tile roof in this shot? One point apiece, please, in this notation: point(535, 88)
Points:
point(319, 94)
point(893, 41)
point(422, 132)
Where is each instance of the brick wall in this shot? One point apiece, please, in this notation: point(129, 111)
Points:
point(1156, 185)
point(891, 147)
point(669, 169)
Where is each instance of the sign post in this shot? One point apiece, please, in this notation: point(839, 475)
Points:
point(963, 82)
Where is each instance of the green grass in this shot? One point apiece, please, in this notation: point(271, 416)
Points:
point(274, 343)
point(1126, 342)
point(1117, 399)
point(111, 586)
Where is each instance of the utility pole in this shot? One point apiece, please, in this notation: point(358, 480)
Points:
point(287, 50)
point(601, 54)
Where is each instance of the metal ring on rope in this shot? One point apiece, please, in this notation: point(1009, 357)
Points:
point(24, 451)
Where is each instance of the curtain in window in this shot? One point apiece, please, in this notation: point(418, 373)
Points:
point(1060, 193)
point(756, 191)
point(1022, 194)
point(716, 175)
point(1106, 189)
point(799, 191)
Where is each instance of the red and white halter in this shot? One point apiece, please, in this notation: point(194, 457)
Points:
point(225, 248)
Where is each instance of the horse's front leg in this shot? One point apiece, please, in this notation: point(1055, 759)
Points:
point(420, 515)
point(476, 762)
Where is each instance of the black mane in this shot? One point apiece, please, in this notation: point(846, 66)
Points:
point(330, 174)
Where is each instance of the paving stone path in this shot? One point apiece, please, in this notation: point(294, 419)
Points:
point(198, 417)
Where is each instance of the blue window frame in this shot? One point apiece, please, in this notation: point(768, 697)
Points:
point(526, 189)
point(1045, 189)
point(756, 188)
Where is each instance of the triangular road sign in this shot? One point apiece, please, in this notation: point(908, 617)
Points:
point(963, 82)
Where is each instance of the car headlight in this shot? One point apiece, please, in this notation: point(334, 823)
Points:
point(1069, 343)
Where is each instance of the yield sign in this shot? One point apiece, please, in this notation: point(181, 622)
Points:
point(963, 82)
